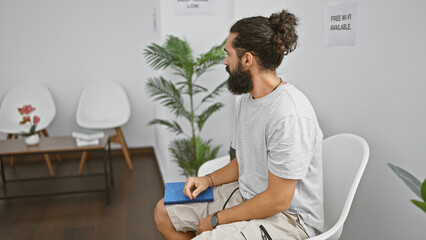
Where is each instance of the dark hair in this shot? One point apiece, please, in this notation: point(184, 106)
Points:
point(268, 39)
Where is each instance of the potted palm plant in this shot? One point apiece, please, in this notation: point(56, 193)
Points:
point(189, 150)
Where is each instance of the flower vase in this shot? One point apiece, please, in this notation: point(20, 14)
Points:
point(32, 139)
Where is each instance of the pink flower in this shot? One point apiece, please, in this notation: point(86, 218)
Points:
point(26, 109)
point(36, 119)
point(26, 119)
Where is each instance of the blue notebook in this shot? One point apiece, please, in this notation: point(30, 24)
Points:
point(174, 194)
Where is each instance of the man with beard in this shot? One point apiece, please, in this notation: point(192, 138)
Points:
point(273, 188)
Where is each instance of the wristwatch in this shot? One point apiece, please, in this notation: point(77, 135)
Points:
point(214, 221)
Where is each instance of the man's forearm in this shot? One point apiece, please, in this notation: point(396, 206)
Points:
point(276, 198)
point(227, 174)
point(261, 206)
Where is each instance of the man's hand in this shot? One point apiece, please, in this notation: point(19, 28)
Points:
point(195, 185)
point(205, 224)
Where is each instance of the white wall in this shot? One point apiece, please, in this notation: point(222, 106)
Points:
point(202, 32)
point(376, 90)
point(67, 44)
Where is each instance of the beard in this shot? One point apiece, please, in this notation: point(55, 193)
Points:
point(239, 81)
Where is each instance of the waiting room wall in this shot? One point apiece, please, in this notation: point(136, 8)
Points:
point(376, 90)
point(67, 44)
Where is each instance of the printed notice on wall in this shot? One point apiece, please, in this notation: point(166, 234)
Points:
point(340, 24)
point(193, 7)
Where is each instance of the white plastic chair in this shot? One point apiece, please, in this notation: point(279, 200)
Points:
point(23, 94)
point(213, 165)
point(28, 93)
point(345, 157)
point(104, 105)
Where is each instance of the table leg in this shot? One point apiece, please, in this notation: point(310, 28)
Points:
point(110, 162)
point(106, 175)
point(3, 176)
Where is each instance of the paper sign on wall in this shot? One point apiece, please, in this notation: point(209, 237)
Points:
point(193, 7)
point(340, 24)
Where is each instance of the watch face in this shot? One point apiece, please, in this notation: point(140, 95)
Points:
point(214, 221)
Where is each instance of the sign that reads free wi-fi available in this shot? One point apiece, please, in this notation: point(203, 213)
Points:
point(340, 24)
point(193, 7)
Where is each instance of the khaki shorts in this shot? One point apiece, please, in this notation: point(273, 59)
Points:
point(186, 217)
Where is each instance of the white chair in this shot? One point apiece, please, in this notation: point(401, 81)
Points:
point(213, 165)
point(23, 94)
point(28, 93)
point(345, 157)
point(104, 105)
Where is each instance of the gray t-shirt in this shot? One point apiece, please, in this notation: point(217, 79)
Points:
point(280, 133)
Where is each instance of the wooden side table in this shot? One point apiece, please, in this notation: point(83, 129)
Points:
point(17, 147)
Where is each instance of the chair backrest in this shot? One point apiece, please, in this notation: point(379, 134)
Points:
point(103, 105)
point(213, 165)
point(23, 94)
point(345, 157)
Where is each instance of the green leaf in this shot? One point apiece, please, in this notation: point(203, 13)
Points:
point(214, 56)
point(183, 153)
point(165, 92)
point(412, 182)
point(157, 56)
point(187, 74)
point(423, 190)
point(195, 88)
point(181, 52)
point(175, 53)
point(198, 89)
point(172, 126)
point(421, 205)
point(202, 118)
point(214, 93)
point(182, 85)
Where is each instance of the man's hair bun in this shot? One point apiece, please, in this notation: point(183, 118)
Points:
point(284, 26)
point(268, 39)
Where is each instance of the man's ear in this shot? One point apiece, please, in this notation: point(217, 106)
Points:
point(247, 60)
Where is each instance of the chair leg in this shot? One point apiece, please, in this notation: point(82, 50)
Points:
point(124, 148)
point(82, 161)
point(44, 131)
point(49, 164)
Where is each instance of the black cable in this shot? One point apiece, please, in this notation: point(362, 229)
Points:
point(230, 197)
point(265, 233)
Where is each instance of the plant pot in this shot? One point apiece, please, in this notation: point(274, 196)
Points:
point(32, 140)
